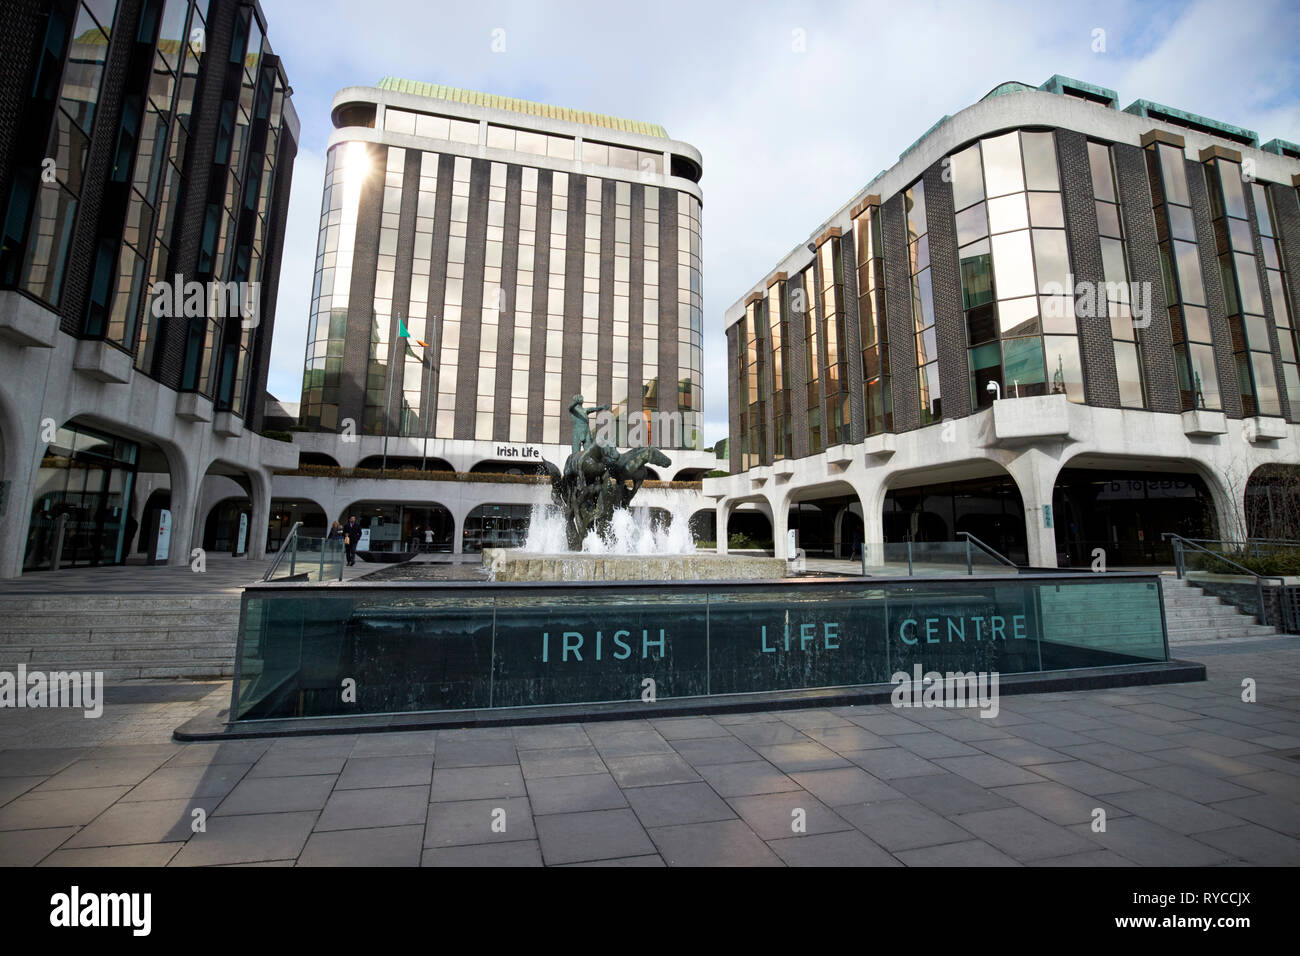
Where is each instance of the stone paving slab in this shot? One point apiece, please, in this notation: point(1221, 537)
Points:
point(1186, 774)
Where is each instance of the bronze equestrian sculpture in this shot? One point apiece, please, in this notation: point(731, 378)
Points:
point(596, 480)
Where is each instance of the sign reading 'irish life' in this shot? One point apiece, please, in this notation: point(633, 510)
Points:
point(484, 649)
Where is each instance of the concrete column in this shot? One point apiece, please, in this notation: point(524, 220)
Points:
point(1035, 474)
point(259, 521)
point(22, 452)
point(187, 486)
point(722, 513)
point(458, 516)
point(871, 496)
point(780, 515)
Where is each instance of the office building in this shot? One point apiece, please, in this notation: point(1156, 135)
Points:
point(146, 156)
point(1061, 326)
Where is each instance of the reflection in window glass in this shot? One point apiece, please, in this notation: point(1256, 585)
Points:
point(1013, 264)
point(1040, 161)
point(1184, 282)
point(931, 398)
point(1243, 293)
point(967, 177)
point(1002, 171)
point(1015, 284)
point(1275, 272)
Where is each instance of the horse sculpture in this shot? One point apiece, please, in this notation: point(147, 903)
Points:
point(597, 481)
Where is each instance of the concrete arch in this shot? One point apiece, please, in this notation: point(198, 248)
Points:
point(726, 507)
point(404, 462)
point(699, 522)
point(1273, 502)
point(995, 465)
point(1226, 487)
point(523, 466)
point(317, 458)
point(256, 483)
point(209, 512)
point(786, 497)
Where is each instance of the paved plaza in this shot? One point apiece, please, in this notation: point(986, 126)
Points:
point(1186, 774)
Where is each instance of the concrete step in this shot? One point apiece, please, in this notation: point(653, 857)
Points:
point(29, 624)
point(123, 636)
point(108, 638)
point(1192, 616)
point(100, 603)
point(1220, 633)
point(64, 654)
point(1220, 613)
point(189, 670)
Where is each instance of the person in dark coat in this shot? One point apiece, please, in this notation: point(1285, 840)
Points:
point(351, 535)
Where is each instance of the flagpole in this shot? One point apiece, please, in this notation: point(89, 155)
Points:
point(428, 390)
point(388, 403)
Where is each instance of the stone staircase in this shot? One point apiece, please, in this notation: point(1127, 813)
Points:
point(123, 636)
point(1191, 615)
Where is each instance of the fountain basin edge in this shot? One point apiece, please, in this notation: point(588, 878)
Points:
point(513, 564)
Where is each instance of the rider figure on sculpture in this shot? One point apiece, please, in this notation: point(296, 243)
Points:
point(596, 479)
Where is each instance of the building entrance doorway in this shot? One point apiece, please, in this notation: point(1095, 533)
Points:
point(84, 487)
point(1124, 513)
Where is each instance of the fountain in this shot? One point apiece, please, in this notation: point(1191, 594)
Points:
point(591, 533)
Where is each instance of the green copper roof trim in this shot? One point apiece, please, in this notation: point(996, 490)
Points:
point(1282, 148)
point(528, 107)
point(1011, 86)
point(1059, 84)
point(1202, 123)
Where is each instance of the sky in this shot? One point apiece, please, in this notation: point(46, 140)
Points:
point(794, 106)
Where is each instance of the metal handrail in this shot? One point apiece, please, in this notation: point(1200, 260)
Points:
point(292, 536)
point(1180, 568)
point(971, 539)
point(1254, 546)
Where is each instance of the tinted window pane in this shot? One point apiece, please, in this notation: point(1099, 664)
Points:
point(1045, 210)
point(1103, 184)
point(967, 180)
point(1189, 273)
point(1002, 173)
point(1112, 257)
point(1128, 369)
point(1063, 366)
point(976, 275)
point(1265, 383)
point(1181, 223)
point(1052, 260)
point(1205, 379)
point(1108, 219)
point(1013, 267)
point(1018, 317)
point(914, 200)
point(1281, 312)
point(1173, 173)
point(1008, 213)
point(1234, 197)
point(972, 224)
point(1198, 323)
point(1040, 161)
point(1252, 300)
point(1022, 360)
point(1242, 240)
